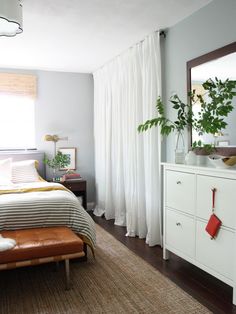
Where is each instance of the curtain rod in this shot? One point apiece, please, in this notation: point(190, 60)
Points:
point(162, 33)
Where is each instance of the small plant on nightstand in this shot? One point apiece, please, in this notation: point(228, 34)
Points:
point(59, 161)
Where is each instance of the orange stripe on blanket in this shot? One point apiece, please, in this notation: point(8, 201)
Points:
point(36, 189)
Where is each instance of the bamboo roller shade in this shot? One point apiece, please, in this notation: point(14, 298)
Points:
point(18, 84)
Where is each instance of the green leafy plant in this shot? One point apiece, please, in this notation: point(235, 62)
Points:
point(205, 149)
point(216, 104)
point(184, 117)
point(59, 161)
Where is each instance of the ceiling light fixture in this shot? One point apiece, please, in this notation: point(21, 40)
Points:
point(10, 17)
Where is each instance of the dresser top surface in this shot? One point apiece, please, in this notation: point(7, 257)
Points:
point(208, 170)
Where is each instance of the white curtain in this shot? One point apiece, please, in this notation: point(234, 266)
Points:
point(127, 164)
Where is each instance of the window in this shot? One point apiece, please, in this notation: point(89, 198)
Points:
point(17, 127)
point(17, 111)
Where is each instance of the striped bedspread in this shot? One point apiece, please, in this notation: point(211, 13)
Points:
point(43, 204)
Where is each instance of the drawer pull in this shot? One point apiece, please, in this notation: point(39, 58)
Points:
point(178, 224)
point(178, 182)
point(213, 198)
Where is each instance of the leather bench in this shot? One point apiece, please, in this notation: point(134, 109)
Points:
point(42, 245)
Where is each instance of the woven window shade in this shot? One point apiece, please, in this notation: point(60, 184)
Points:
point(18, 84)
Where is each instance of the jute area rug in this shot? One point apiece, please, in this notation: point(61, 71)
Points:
point(117, 281)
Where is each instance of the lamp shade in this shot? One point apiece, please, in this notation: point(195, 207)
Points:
point(51, 138)
point(10, 17)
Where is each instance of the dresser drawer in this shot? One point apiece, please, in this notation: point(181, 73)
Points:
point(225, 199)
point(180, 232)
point(180, 191)
point(217, 254)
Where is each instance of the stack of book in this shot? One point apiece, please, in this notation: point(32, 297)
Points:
point(71, 176)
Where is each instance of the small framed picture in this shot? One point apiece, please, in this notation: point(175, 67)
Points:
point(71, 153)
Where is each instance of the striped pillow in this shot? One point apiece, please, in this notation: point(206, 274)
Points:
point(24, 171)
point(5, 171)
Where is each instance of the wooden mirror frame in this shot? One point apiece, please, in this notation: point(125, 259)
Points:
point(218, 53)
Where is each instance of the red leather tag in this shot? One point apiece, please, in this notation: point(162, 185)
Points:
point(213, 225)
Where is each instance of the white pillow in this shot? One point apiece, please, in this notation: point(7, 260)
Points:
point(24, 171)
point(5, 171)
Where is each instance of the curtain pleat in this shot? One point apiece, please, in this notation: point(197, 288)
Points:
point(127, 164)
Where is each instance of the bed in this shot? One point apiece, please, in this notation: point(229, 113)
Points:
point(38, 203)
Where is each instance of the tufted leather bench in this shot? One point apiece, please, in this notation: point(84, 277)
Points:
point(41, 245)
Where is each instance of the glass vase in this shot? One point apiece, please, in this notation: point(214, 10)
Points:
point(54, 178)
point(179, 148)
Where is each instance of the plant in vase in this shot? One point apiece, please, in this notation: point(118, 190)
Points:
point(183, 121)
point(214, 109)
point(59, 161)
point(216, 104)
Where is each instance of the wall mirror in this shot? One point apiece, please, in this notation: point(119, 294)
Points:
point(220, 63)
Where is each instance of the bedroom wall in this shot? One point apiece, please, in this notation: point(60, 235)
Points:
point(210, 28)
point(65, 107)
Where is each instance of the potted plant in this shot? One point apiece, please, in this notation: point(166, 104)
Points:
point(59, 161)
point(216, 104)
point(183, 121)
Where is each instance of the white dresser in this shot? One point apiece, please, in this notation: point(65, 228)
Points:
point(187, 208)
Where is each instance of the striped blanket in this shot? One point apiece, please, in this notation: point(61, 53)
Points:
point(43, 204)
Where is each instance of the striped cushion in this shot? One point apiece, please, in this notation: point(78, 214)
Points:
point(24, 171)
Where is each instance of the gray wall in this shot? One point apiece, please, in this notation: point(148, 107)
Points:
point(210, 28)
point(64, 106)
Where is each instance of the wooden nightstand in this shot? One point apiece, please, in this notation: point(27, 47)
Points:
point(78, 187)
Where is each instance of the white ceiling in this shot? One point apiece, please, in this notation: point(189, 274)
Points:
point(82, 35)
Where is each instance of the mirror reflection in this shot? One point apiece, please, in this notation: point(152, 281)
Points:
point(223, 68)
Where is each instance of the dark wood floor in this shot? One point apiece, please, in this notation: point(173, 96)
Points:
point(209, 291)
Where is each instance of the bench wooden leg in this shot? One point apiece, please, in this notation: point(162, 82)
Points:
point(67, 269)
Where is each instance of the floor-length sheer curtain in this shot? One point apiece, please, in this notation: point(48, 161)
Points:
point(127, 164)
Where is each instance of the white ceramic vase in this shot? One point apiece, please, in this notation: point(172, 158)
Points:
point(190, 158)
point(201, 160)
